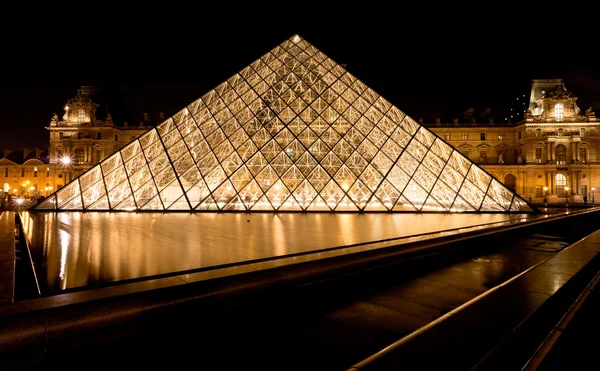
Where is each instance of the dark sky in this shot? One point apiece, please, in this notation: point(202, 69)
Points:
point(440, 74)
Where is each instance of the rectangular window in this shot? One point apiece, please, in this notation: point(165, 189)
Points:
point(464, 136)
point(99, 136)
point(538, 191)
point(60, 135)
point(538, 155)
point(582, 132)
point(35, 172)
point(6, 172)
point(483, 157)
point(22, 172)
point(482, 136)
point(519, 134)
point(47, 172)
point(500, 136)
point(79, 135)
point(582, 155)
point(558, 111)
point(447, 137)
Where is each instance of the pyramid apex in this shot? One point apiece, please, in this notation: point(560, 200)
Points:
point(296, 38)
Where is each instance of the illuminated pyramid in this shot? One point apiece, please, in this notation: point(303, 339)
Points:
point(292, 131)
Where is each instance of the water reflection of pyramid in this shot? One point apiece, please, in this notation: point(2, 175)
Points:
point(292, 131)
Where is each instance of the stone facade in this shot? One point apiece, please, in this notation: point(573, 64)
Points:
point(550, 155)
point(78, 141)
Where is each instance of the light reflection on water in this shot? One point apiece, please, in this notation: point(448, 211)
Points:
point(78, 249)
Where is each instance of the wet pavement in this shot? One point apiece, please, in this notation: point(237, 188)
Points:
point(328, 330)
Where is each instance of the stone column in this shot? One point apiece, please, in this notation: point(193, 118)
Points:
point(548, 151)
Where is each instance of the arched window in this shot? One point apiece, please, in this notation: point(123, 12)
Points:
point(561, 154)
point(80, 116)
point(560, 132)
point(558, 111)
point(79, 156)
point(582, 132)
point(561, 183)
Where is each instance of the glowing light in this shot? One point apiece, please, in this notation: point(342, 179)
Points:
point(345, 186)
point(20, 201)
point(65, 160)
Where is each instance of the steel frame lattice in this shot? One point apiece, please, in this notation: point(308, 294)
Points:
point(292, 131)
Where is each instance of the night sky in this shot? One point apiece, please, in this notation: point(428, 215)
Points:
point(425, 76)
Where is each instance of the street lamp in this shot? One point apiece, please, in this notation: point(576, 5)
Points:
point(567, 196)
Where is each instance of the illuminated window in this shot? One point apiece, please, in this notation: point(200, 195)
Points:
point(482, 136)
point(500, 136)
point(538, 191)
point(447, 137)
point(538, 132)
point(80, 116)
point(561, 154)
point(558, 111)
point(464, 136)
point(35, 172)
point(538, 155)
point(47, 172)
point(582, 132)
point(79, 156)
point(561, 183)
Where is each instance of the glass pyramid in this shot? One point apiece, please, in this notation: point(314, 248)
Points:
point(292, 131)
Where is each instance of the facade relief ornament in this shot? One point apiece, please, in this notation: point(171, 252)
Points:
point(589, 112)
point(558, 93)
